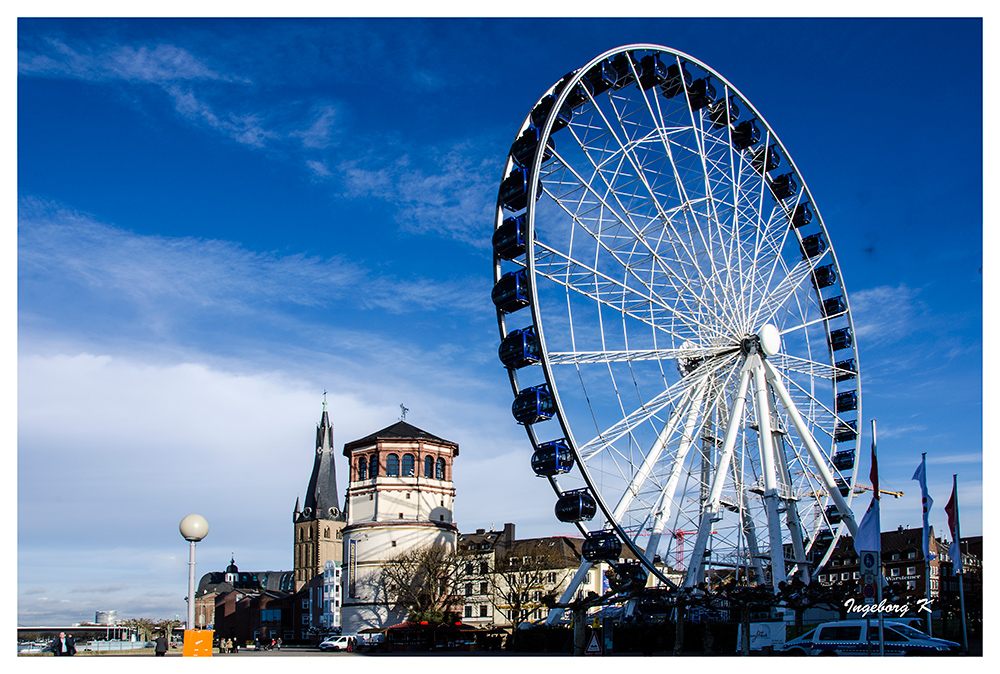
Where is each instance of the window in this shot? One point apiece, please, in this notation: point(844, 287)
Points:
point(552, 577)
point(840, 633)
point(468, 567)
point(484, 567)
point(392, 465)
point(373, 465)
point(363, 468)
point(468, 611)
point(911, 570)
point(429, 466)
point(394, 542)
point(894, 571)
point(911, 585)
point(468, 589)
point(845, 575)
point(407, 465)
point(439, 473)
point(484, 612)
point(484, 588)
point(911, 554)
point(821, 578)
point(856, 575)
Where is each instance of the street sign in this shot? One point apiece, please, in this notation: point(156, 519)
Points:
point(869, 576)
point(594, 647)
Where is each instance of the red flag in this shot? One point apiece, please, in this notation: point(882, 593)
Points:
point(952, 509)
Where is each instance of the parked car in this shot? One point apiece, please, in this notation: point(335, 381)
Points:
point(337, 643)
point(848, 637)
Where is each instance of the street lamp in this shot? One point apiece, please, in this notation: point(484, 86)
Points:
point(193, 529)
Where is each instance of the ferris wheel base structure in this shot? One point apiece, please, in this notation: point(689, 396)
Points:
point(675, 326)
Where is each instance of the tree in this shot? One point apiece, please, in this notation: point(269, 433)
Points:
point(425, 581)
point(143, 627)
point(522, 576)
point(800, 596)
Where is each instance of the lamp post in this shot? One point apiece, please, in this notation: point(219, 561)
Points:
point(193, 529)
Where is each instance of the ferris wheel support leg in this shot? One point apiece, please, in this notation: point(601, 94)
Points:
point(765, 442)
point(711, 511)
point(567, 596)
point(667, 495)
point(814, 452)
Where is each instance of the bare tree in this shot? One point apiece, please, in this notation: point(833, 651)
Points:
point(522, 577)
point(425, 581)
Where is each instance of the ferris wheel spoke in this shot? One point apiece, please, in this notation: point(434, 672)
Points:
point(590, 357)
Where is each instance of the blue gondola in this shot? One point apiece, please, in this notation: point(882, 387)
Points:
point(678, 79)
point(723, 115)
point(541, 112)
point(847, 401)
point(841, 339)
point(847, 369)
point(514, 190)
point(824, 277)
point(701, 93)
point(552, 458)
point(784, 186)
point(844, 459)
point(832, 514)
point(765, 159)
point(581, 93)
point(628, 576)
point(802, 215)
point(746, 134)
point(813, 245)
point(652, 72)
point(824, 537)
point(511, 292)
point(602, 546)
point(834, 306)
point(508, 239)
point(842, 486)
point(576, 506)
point(846, 431)
point(601, 77)
point(523, 149)
point(519, 349)
point(532, 405)
point(623, 68)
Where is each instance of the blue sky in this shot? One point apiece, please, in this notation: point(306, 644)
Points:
point(220, 219)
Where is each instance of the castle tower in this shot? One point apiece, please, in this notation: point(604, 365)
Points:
point(401, 497)
point(318, 524)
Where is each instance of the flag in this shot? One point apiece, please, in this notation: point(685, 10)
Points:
point(869, 538)
point(921, 476)
point(952, 509)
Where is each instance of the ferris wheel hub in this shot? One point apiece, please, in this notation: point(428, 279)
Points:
point(770, 340)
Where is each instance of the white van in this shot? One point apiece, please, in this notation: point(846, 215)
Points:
point(848, 637)
point(337, 643)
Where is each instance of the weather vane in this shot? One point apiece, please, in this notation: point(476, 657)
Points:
point(404, 410)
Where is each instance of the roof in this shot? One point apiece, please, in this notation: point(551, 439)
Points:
point(321, 494)
point(398, 431)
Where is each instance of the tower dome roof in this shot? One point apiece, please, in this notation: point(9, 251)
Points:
point(232, 566)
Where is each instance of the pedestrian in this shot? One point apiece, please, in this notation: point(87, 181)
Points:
point(63, 645)
point(161, 646)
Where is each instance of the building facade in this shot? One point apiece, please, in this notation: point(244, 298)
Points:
point(400, 498)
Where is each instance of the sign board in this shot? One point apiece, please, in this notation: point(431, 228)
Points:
point(594, 647)
point(869, 576)
point(198, 643)
point(763, 634)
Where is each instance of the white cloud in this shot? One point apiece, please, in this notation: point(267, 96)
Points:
point(886, 314)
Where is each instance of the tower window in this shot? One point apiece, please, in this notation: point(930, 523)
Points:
point(408, 465)
point(363, 468)
point(440, 469)
point(373, 465)
point(392, 465)
point(429, 466)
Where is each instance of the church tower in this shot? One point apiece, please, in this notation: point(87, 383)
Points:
point(401, 497)
point(318, 523)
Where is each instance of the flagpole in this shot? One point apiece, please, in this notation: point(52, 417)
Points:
point(961, 574)
point(927, 555)
point(878, 520)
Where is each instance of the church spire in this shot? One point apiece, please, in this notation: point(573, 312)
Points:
point(321, 500)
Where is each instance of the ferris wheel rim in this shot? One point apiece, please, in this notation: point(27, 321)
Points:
point(538, 321)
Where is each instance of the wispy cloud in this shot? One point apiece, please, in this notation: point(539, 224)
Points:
point(449, 193)
point(158, 272)
point(885, 314)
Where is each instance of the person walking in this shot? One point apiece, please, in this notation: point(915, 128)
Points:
point(161, 646)
point(63, 645)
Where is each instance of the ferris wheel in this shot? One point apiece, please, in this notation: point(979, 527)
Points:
point(675, 326)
